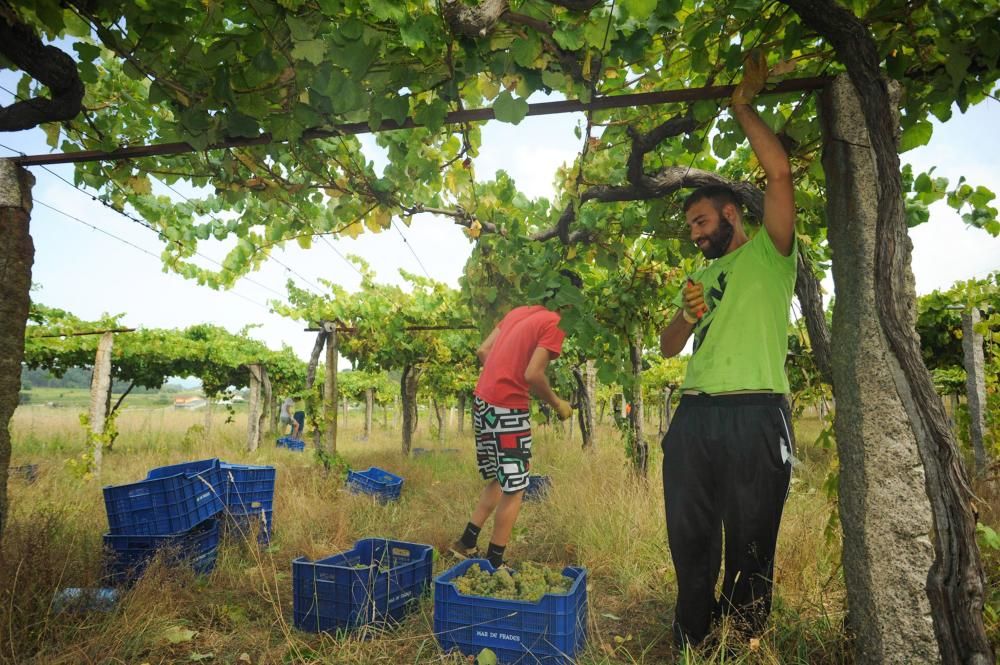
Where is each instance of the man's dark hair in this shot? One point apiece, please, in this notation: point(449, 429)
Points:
point(719, 195)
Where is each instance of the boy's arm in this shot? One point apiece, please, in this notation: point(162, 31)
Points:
point(538, 382)
point(484, 349)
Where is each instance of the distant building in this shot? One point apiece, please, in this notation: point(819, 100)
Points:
point(189, 402)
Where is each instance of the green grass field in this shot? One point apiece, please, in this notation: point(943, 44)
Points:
point(598, 515)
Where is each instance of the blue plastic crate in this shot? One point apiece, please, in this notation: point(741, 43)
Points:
point(196, 467)
point(379, 482)
point(538, 487)
point(128, 556)
point(374, 583)
point(169, 504)
point(296, 445)
point(249, 488)
point(242, 525)
point(549, 631)
point(26, 472)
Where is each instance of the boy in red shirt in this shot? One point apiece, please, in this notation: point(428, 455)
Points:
point(514, 358)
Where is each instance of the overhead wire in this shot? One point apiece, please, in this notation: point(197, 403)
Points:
point(410, 247)
point(129, 243)
point(141, 222)
point(350, 155)
point(146, 224)
point(338, 253)
point(150, 227)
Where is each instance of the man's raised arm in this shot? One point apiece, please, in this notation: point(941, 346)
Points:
point(779, 196)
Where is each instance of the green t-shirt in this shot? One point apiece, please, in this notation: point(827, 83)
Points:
point(742, 341)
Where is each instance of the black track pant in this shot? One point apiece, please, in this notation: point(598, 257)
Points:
point(726, 465)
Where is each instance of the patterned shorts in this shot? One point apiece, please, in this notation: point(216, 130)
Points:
point(503, 444)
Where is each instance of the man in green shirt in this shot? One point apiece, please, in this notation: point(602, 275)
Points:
point(727, 455)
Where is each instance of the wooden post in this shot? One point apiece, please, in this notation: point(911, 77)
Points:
point(461, 413)
point(408, 384)
point(439, 414)
point(975, 384)
point(668, 392)
point(586, 380)
point(254, 411)
point(321, 338)
point(330, 387)
point(635, 414)
point(108, 444)
point(369, 407)
point(100, 384)
point(265, 415)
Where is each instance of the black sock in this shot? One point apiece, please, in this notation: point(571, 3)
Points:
point(471, 535)
point(495, 554)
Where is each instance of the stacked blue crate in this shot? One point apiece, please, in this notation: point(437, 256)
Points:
point(175, 506)
point(375, 583)
point(173, 500)
point(247, 492)
point(250, 498)
point(128, 556)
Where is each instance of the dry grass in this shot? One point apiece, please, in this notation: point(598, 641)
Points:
point(597, 515)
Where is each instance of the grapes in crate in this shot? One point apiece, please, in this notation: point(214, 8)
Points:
point(530, 582)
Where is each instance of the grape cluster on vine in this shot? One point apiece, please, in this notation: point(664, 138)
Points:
point(529, 583)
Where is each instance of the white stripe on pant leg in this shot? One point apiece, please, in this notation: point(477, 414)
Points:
point(787, 454)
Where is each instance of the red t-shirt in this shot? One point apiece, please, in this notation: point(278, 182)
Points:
point(523, 330)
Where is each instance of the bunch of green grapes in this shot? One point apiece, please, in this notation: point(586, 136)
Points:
point(530, 583)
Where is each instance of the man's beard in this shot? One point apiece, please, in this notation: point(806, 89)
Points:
point(718, 241)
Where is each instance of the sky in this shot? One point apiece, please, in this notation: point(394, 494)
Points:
point(90, 260)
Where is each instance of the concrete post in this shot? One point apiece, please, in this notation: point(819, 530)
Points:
point(975, 384)
point(17, 253)
point(100, 386)
point(884, 508)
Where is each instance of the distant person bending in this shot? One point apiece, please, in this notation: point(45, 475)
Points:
point(514, 356)
point(287, 417)
point(727, 455)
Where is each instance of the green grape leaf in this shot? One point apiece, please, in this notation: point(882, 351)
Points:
point(510, 109)
point(917, 134)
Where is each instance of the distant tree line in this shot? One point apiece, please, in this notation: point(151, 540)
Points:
point(77, 377)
